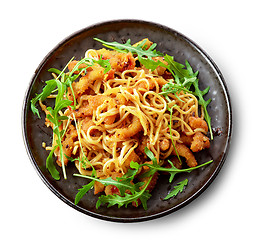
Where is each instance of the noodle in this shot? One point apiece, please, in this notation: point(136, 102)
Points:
point(121, 112)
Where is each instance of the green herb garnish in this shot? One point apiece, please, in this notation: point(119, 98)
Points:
point(56, 119)
point(60, 85)
point(125, 183)
point(178, 188)
point(140, 49)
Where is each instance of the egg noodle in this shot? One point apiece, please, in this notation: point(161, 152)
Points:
point(119, 113)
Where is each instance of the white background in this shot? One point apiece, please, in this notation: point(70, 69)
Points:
point(226, 30)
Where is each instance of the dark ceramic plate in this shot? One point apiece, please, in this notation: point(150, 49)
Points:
point(171, 42)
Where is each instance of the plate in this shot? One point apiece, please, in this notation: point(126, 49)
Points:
point(169, 41)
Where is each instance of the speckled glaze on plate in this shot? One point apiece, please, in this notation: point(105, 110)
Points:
point(171, 42)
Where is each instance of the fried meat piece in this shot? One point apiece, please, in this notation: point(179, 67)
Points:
point(131, 130)
point(164, 144)
point(185, 152)
point(196, 142)
point(90, 103)
point(68, 145)
point(119, 61)
point(200, 142)
point(196, 122)
point(93, 73)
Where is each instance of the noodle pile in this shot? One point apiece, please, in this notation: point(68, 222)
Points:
point(121, 112)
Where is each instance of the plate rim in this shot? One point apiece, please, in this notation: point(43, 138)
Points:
point(159, 214)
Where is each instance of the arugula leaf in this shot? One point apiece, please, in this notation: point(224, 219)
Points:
point(62, 104)
point(175, 67)
point(149, 63)
point(33, 105)
point(82, 191)
point(54, 70)
point(200, 94)
point(125, 183)
point(139, 49)
point(144, 55)
point(143, 195)
point(204, 104)
point(172, 170)
point(178, 188)
point(47, 90)
point(50, 165)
